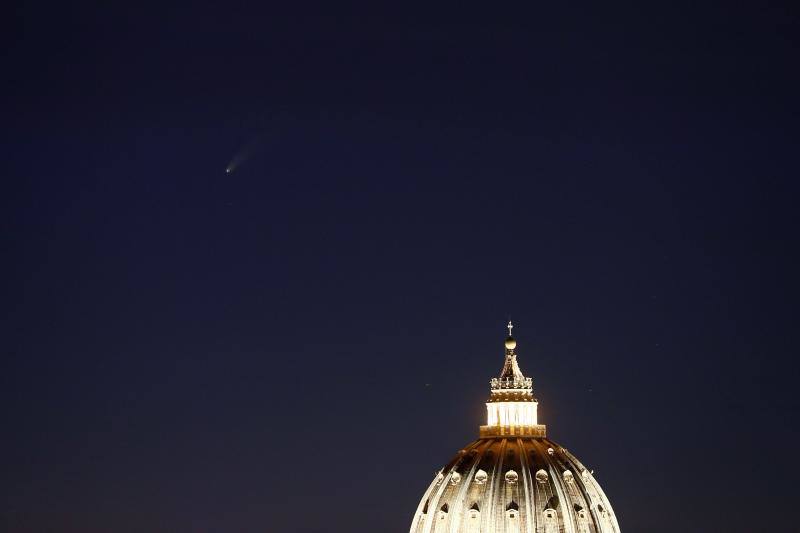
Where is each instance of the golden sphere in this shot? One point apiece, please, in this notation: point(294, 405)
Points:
point(510, 343)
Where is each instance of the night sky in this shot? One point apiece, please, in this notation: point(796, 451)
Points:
point(299, 344)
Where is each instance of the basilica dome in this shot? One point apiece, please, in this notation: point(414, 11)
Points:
point(513, 478)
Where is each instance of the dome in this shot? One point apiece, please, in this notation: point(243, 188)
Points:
point(513, 478)
point(502, 484)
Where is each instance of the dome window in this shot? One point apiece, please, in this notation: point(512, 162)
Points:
point(455, 478)
point(552, 503)
point(511, 477)
point(512, 510)
point(443, 512)
point(474, 511)
point(550, 520)
point(551, 451)
point(582, 515)
point(541, 476)
point(480, 477)
point(439, 478)
point(568, 477)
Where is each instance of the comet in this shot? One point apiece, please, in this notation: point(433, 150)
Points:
point(241, 157)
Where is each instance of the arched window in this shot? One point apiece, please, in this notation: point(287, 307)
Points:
point(512, 510)
point(552, 503)
point(550, 520)
point(581, 518)
point(441, 524)
point(442, 515)
point(474, 512)
point(603, 512)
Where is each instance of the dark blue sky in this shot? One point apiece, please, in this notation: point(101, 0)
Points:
point(185, 350)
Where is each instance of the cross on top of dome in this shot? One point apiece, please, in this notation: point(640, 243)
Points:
point(511, 371)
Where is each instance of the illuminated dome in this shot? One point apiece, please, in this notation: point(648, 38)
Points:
point(513, 478)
